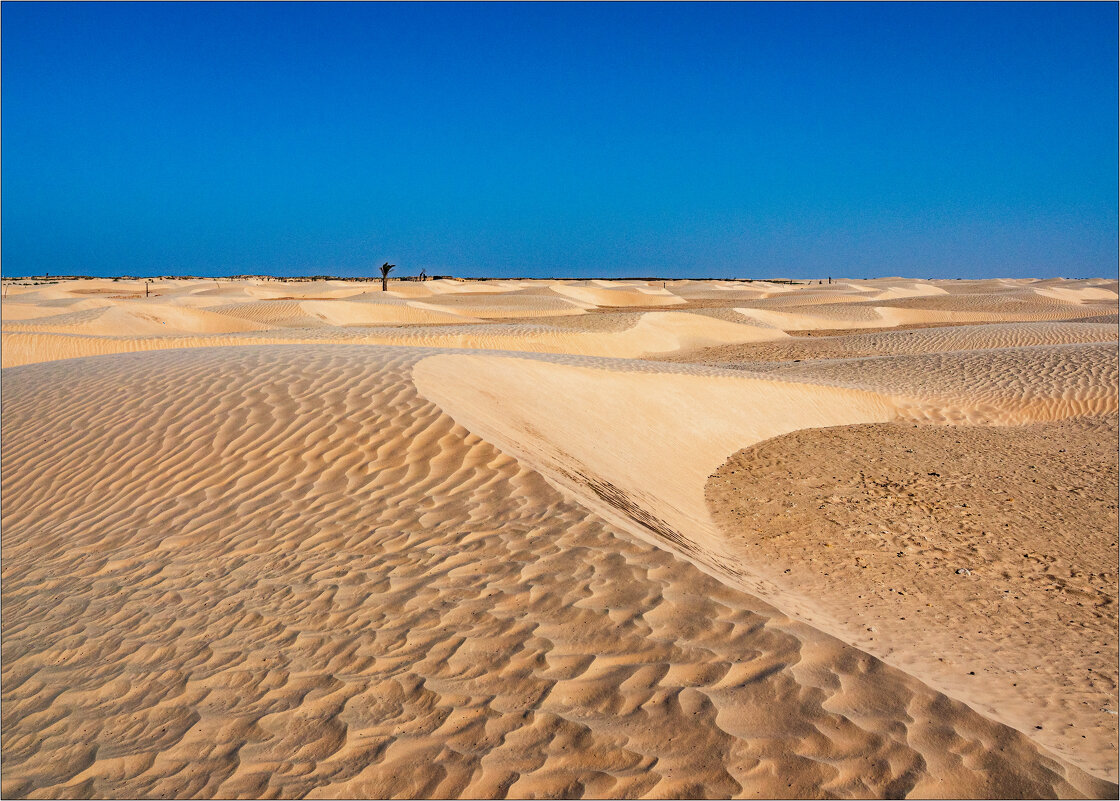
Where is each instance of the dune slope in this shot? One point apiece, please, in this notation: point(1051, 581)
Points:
point(283, 571)
point(637, 443)
point(979, 557)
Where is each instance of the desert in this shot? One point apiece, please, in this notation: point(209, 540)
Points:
point(559, 538)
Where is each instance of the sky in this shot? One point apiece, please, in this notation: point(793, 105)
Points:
point(560, 140)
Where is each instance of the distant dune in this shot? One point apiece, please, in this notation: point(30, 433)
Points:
point(565, 539)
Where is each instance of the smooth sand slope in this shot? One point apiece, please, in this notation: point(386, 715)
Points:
point(477, 559)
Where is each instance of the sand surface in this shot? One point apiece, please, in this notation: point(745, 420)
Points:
point(588, 538)
point(981, 556)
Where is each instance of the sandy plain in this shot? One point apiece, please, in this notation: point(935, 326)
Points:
point(559, 539)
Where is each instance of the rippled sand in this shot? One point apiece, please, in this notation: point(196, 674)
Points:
point(311, 539)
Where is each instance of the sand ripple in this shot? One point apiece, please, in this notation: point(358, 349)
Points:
point(282, 571)
point(313, 539)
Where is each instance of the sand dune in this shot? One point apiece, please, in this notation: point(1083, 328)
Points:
point(630, 296)
point(379, 313)
point(1077, 294)
point(888, 314)
point(298, 311)
point(467, 539)
point(647, 333)
point(240, 632)
point(569, 421)
point(1007, 386)
point(947, 547)
point(31, 311)
point(505, 306)
point(137, 319)
point(916, 289)
point(901, 343)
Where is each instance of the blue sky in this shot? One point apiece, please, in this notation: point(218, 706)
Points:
point(739, 140)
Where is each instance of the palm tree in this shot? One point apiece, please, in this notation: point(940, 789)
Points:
point(385, 270)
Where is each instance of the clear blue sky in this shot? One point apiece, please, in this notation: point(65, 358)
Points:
point(748, 140)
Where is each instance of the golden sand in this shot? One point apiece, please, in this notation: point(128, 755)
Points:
point(570, 539)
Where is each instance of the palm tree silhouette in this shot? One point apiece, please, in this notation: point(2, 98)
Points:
point(385, 270)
